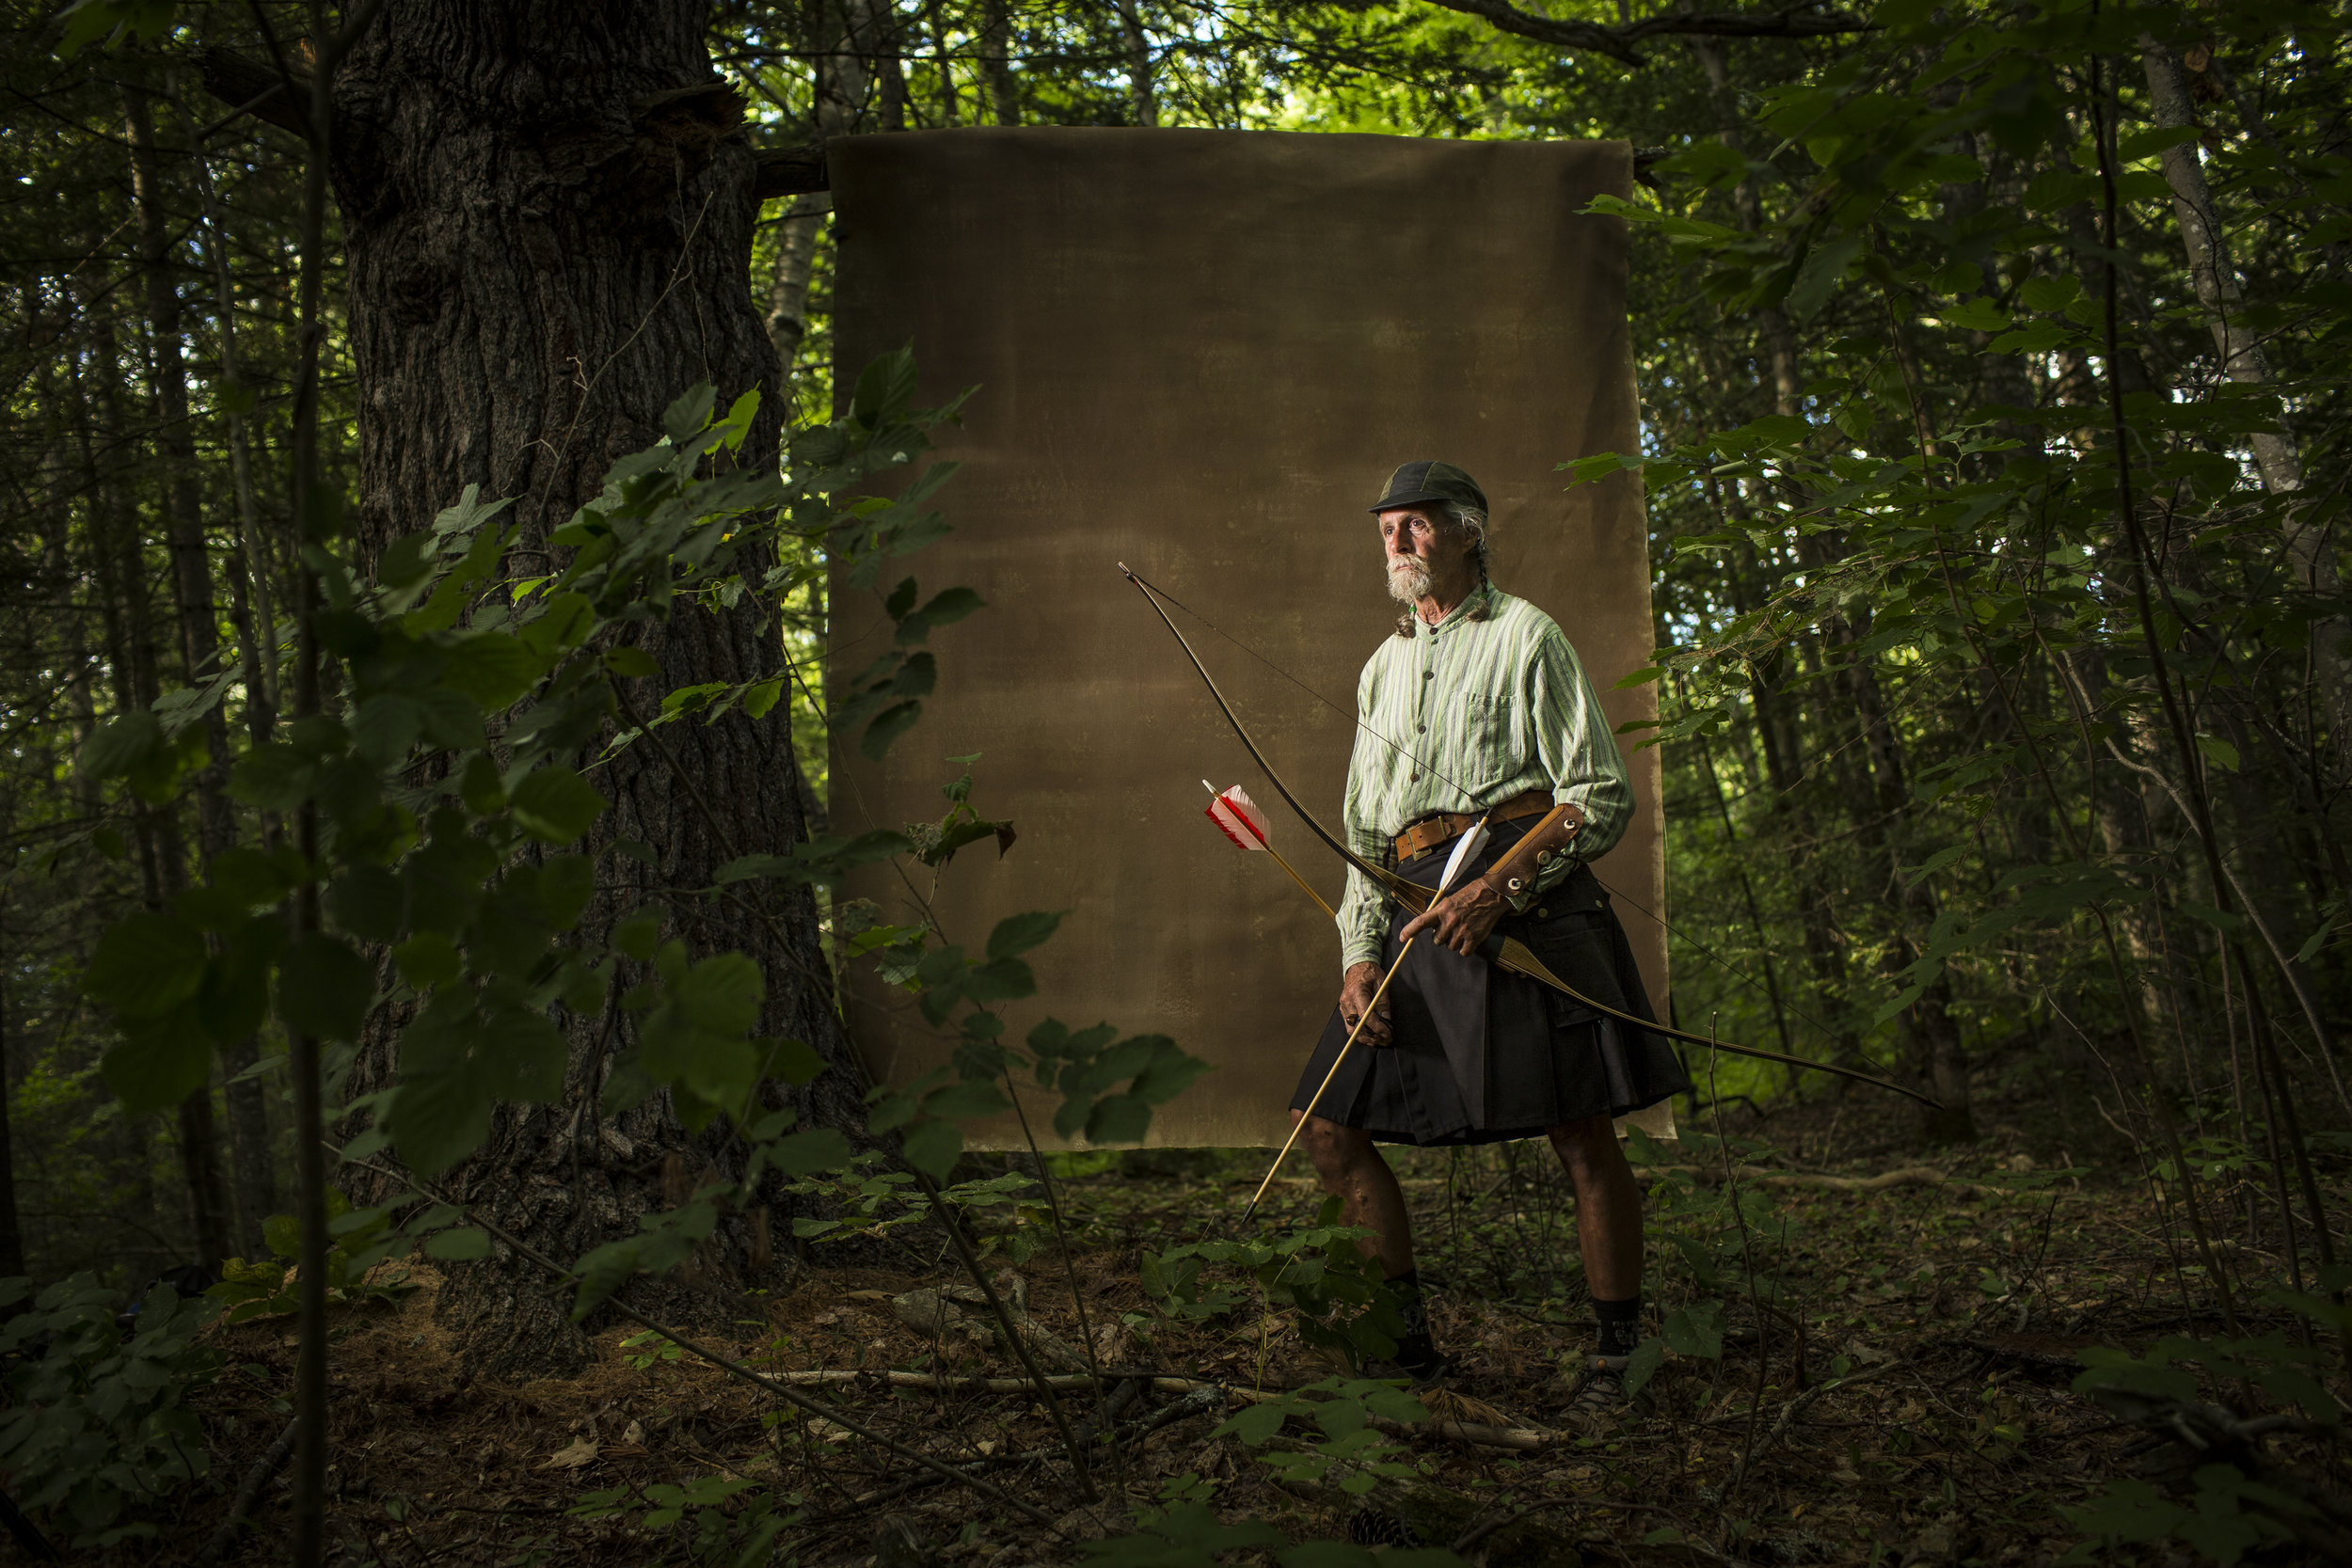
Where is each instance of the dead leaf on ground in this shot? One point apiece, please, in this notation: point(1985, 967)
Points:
point(582, 1454)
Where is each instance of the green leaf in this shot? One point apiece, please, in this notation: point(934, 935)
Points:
point(686, 419)
point(888, 725)
point(632, 663)
point(1018, 933)
point(427, 960)
point(796, 1062)
point(2050, 294)
point(556, 805)
point(1825, 266)
point(146, 965)
point(567, 882)
point(121, 744)
point(1644, 1363)
point(2132, 146)
point(637, 934)
point(367, 901)
point(274, 777)
point(2037, 336)
point(492, 668)
point(1979, 315)
point(806, 1153)
point(86, 20)
point(457, 1246)
point(324, 987)
point(933, 1147)
point(249, 877)
point(479, 785)
point(2310, 950)
point(1119, 1119)
point(885, 388)
point(1696, 1330)
point(952, 605)
point(2219, 751)
point(1255, 1425)
point(158, 1063)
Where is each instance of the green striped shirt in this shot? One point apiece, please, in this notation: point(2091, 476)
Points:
point(1468, 714)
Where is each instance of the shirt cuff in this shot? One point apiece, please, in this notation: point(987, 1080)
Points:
point(1353, 953)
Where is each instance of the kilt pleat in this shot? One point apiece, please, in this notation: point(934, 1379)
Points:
point(1481, 1056)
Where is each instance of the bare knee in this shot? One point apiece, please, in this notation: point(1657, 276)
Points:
point(1589, 1149)
point(1335, 1150)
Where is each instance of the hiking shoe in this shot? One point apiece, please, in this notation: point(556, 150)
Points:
point(1600, 1394)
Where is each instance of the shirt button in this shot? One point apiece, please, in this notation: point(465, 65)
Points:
point(1429, 674)
point(1542, 914)
point(1424, 729)
point(1415, 779)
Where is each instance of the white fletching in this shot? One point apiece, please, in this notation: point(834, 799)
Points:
point(1465, 852)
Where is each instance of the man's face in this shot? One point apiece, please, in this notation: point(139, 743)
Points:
point(1421, 547)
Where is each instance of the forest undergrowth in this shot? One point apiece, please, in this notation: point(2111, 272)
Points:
point(1911, 1399)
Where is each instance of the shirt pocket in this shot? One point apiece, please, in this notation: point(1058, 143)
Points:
point(1488, 725)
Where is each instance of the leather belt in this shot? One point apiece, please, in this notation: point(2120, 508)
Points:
point(1431, 831)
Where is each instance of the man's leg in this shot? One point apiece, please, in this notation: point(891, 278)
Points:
point(1608, 1227)
point(1352, 1168)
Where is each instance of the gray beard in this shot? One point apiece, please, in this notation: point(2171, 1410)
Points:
point(1408, 582)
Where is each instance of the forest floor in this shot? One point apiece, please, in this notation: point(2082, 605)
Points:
point(1957, 1311)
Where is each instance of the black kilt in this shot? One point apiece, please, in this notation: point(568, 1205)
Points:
point(1478, 1054)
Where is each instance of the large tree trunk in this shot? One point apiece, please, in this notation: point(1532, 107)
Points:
point(549, 213)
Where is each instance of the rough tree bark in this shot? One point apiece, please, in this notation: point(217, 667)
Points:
point(2310, 551)
point(548, 209)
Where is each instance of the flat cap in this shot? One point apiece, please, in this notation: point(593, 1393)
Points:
point(1422, 483)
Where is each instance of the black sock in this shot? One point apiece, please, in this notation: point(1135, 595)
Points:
point(1415, 1349)
point(1620, 1324)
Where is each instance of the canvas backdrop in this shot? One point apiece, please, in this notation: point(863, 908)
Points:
point(1202, 351)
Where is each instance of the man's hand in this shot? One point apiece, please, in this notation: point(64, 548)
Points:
point(1463, 919)
point(1356, 995)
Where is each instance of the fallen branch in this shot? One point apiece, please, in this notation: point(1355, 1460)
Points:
point(248, 1492)
point(1909, 1175)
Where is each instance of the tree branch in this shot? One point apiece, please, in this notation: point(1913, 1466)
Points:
point(255, 89)
point(1617, 42)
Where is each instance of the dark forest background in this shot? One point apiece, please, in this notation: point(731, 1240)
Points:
point(1996, 444)
point(1891, 740)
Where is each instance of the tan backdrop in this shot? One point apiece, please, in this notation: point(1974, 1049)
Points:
point(1201, 352)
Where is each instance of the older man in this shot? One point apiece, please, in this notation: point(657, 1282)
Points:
point(1479, 706)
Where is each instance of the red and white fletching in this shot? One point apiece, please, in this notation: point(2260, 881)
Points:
point(1236, 816)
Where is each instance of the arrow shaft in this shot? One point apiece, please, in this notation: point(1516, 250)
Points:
point(1310, 892)
point(1316, 1100)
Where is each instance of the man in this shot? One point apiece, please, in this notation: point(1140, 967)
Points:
point(1479, 705)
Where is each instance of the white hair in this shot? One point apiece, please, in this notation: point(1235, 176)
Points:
point(1474, 523)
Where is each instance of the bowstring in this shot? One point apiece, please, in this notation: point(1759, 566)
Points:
point(1704, 951)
